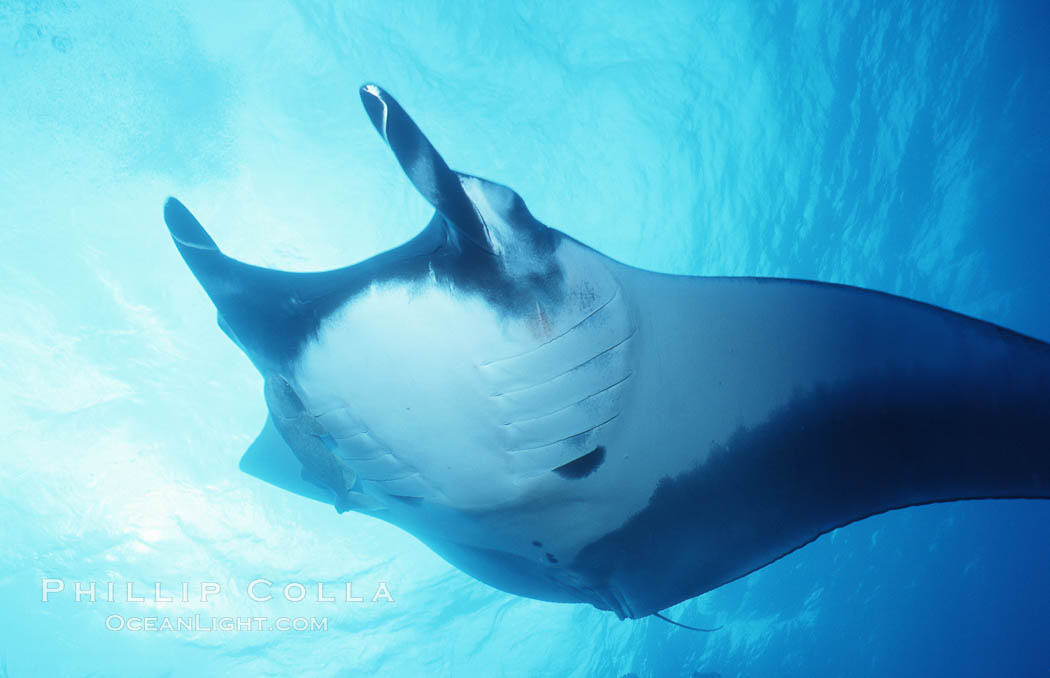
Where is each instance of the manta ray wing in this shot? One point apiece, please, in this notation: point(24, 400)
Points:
point(793, 408)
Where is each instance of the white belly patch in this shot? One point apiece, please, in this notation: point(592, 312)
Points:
point(432, 393)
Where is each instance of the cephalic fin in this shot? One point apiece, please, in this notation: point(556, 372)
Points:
point(426, 169)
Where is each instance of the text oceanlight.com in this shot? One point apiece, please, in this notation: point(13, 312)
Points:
point(197, 623)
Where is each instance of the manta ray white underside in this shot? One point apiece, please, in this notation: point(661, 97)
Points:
point(568, 428)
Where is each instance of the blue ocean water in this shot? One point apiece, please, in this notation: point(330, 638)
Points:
point(900, 146)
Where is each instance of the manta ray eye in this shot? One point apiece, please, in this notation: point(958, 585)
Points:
point(503, 200)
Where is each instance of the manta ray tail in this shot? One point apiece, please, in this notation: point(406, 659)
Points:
point(686, 626)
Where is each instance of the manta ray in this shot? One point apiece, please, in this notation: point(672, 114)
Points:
point(565, 427)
